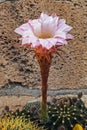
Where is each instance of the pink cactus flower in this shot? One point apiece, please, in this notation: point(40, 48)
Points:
point(46, 31)
point(43, 35)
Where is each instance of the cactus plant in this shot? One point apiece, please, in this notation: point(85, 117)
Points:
point(66, 113)
point(10, 122)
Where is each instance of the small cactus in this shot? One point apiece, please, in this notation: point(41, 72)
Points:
point(66, 112)
point(10, 122)
point(32, 110)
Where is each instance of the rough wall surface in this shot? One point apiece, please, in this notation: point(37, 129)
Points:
point(17, 67)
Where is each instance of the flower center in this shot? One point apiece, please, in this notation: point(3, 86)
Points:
point(45, 35)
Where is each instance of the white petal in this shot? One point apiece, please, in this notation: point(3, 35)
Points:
point(52, 41)
point(21, 29)
point(35, 44)
point(65, 27)
point(43, 17)
point(60, 34)
point(33, 40)
point(48, 43)
point(61, 22)
point(25, 40)
point(61, 40)
point(69, 36)
point(44, 43)
point(36, 25)
point(28, 33)
point(49, 25)
point(25, 26)
point(54, 15)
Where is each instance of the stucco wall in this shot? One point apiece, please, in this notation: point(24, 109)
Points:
point(19, 68)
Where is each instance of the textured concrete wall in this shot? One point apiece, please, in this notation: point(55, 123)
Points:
point(19, 68)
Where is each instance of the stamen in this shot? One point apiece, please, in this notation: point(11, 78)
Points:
point(46, 35)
